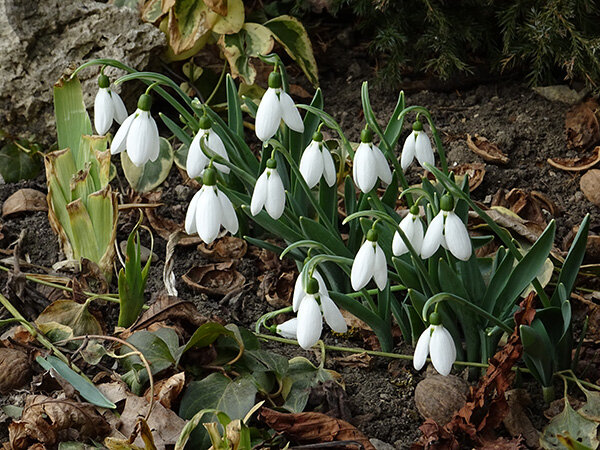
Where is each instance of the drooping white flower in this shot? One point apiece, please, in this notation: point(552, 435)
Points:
point(418, 145)
point(369, 164)
point(275, 105)
point(196, 160)
point(317, 162)
point(138, 135)
point(436, 341)
point(209, 210)
point(369, 263)
point(312, 304)
point(288, 329)
point(108, 106)
point(413, 229)
point(446, 229)
point(269, 192)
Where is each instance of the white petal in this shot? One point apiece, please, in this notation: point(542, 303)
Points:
point(119, 142)
point(332, 315)
point(442, 350)
point(119, 107)
point(322, 286)
point(398, 246)
point(457, 237)
point(215, 144)
point(142, 140)
point(275, 203)
point(208, 215)
point(290, 113)
point(228, 216)
point(299, 293)
point(417, 239)
point(362, 268)
point(288, 329)
point(196, 160)
point(366, 172)
point(433, 236)
point(380, 268)
point(408, 151)
point(103, 111)
point(328, 167)
point(310, 322)
point(259, 196)
point(423, 150)
point(190, 216)
point(383, 169)
point(422, 349)
point(268, 116)
point(311, 164)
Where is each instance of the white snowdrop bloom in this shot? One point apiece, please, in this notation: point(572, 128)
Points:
point(369, 164)
point(418, 145)
point(331, 313)
point(317, 162)
point(436, 341)
point(300, 291)
point(108, 106)
point(269, 192)
point(369, 263)
point(446, 229)
point(209, 210)
point(413, 229)
point(196, 160)
point(288, 329)
point(138, 135)
point(275, 105)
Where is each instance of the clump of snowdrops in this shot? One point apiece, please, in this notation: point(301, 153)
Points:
point(394, 253)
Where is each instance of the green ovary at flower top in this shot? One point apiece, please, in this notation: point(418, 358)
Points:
point(422, 259)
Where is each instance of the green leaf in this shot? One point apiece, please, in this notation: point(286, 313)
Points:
point(317, 232)
point(17, 164)
point(394, 126)
point(537, 350)
point(157, 352)
point(83, 386)
point(232, 397)
point(234, 109)
point(233, 21)
point(569, 423)
point(189, 22)
point(301, 376)
point(151, 174)
point(206, 334)
point(290, 33)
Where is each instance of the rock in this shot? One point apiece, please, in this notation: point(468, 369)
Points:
point(144, 252)
point(561, 93)
point(41, 40)
point(380, 445)
point(438, 397)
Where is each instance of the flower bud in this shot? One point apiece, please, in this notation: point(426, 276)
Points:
point(372, 235)
point(205, 123)
point(103, 81)
point(366, 136)
point(274, 80)
point(145, 102)
point(447, 203)
point(209, 178)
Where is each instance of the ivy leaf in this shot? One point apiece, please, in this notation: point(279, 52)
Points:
point(151, 174)
point(569, 424)
point(301, 376)
point(17, 164)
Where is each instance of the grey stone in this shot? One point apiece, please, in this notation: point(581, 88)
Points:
point(380, 445)
point(40, 40)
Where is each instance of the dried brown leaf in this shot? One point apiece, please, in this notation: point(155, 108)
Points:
point(363, 360)
point(218, 6)
point(277, 289)
point(167, 390)
point(214, 279)
point(576, 164)
point(517, 422)
point(313, 427)
point(590, 186)
point(24, 200)
point(581, 125)
point(15, 369)
point(224, 249)
point(489, 151)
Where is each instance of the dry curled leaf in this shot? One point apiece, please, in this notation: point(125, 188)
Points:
point(581, 125)
point(48, 421)
point(24, 200)
point(167, 390)
point(489, 151)
point(528, 205)
point(517, 422)
point(576, 164)
point(277, 289)
point(214, 279)
point(224, 249)
point(73, 315)
point(313, 427)
point(15, 369)
point(590, 186)
point(362, 360)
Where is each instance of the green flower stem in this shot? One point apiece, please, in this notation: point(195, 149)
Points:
point(436, 135)
point(245, 176)
point(216, 88)
point(268, 316)
point(482, 312)
point(332, 124)
point(303, 243)
point(395, 288)
point(457, 192)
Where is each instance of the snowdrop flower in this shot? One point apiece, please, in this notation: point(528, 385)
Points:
point(108, 106)
point(269, 192)
point(417, 144)
point(317, 162)
point(196, 159)
point(446, 229)
point(413, 229)
point(437, 342)
point(369, 164)
point(369, 263)
point(209, 209)
point(275, 105)
point(138, 135)
point(313, 305)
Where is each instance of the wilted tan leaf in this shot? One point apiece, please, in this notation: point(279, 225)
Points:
point(224, 249)
point(576, 164)
point(363, 360)
point(277, 290)
point(15, 369)
point(24, 200)
point(48, 421)
point(218, 6)
point(590, 186)
point(214, 279)
point(167, 390)
point(313, 427)
point(581, 125)
point(73, 315)
point(486, 149)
